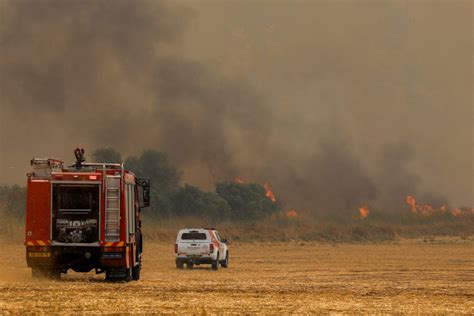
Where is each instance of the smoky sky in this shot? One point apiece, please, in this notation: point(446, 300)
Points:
point(335, 104)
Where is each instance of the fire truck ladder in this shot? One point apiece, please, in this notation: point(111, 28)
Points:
point(112, 208)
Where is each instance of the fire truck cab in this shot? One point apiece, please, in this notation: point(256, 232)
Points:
point(84, 217)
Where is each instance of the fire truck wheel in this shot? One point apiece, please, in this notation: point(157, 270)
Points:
point(107, 275)
point(225, 262)
point(179, 264)
point(215, 263)
point(136, 272)
point(128, 275)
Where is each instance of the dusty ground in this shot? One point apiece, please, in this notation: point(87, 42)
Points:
point(412, 276)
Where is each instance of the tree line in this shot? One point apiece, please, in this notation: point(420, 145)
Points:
point(169, 197)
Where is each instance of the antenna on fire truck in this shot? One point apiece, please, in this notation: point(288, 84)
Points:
point(79, 153)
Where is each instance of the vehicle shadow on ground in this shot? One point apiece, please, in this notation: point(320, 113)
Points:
point(81, 280)
point(197, 268)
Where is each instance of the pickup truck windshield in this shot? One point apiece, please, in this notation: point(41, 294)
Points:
point(193, 236)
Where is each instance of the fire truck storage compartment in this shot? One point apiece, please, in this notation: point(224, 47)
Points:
point(75, 213)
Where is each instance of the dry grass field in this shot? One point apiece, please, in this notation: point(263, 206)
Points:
point(412, 276)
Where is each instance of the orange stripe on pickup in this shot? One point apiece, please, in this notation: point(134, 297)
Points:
point(214, 239)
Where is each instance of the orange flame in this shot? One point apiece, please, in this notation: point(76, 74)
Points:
point(412, 202)
point(426, 210)
point(269, 192)
point(363, 212)
point(442, 209)
point(291, 213)
point(456, 212)
point(238, 180)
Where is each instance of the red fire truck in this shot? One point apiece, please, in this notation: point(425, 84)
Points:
point(83, 217)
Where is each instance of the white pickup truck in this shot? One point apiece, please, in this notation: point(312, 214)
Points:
point(195, 246)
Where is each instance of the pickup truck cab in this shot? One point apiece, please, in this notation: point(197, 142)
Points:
point(195, 246)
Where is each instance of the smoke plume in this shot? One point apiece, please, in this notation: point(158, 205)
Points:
point(332, 107)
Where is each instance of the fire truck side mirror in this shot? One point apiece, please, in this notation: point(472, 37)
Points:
point(144, 186)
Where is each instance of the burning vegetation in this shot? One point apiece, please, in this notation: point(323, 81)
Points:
point(427, 210)
point(363, 212)
point(291, 213)
point(269, 192)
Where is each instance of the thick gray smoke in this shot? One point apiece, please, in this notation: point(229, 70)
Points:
point(117, 73)
point(104, 72)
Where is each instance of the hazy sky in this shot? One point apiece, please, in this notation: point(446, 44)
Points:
point(326, 99)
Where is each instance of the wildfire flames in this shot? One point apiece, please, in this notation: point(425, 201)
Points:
point(238, 180)
point(456, 212)
point(363, 212)
point(269, 192)
point(412, 202)
point(442, 209)
point(268, 188)
point(422, 210)
point(428, 210)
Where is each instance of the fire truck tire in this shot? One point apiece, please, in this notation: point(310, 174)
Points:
point(128, 275)
point(225, 262)
point(179, 264)
point(136, 272)
point(107, 275)
point(215, 263)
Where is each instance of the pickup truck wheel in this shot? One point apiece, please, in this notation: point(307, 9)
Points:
point(189, 265)
point(225, 262)
point(179, 264)
point(215, 263)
